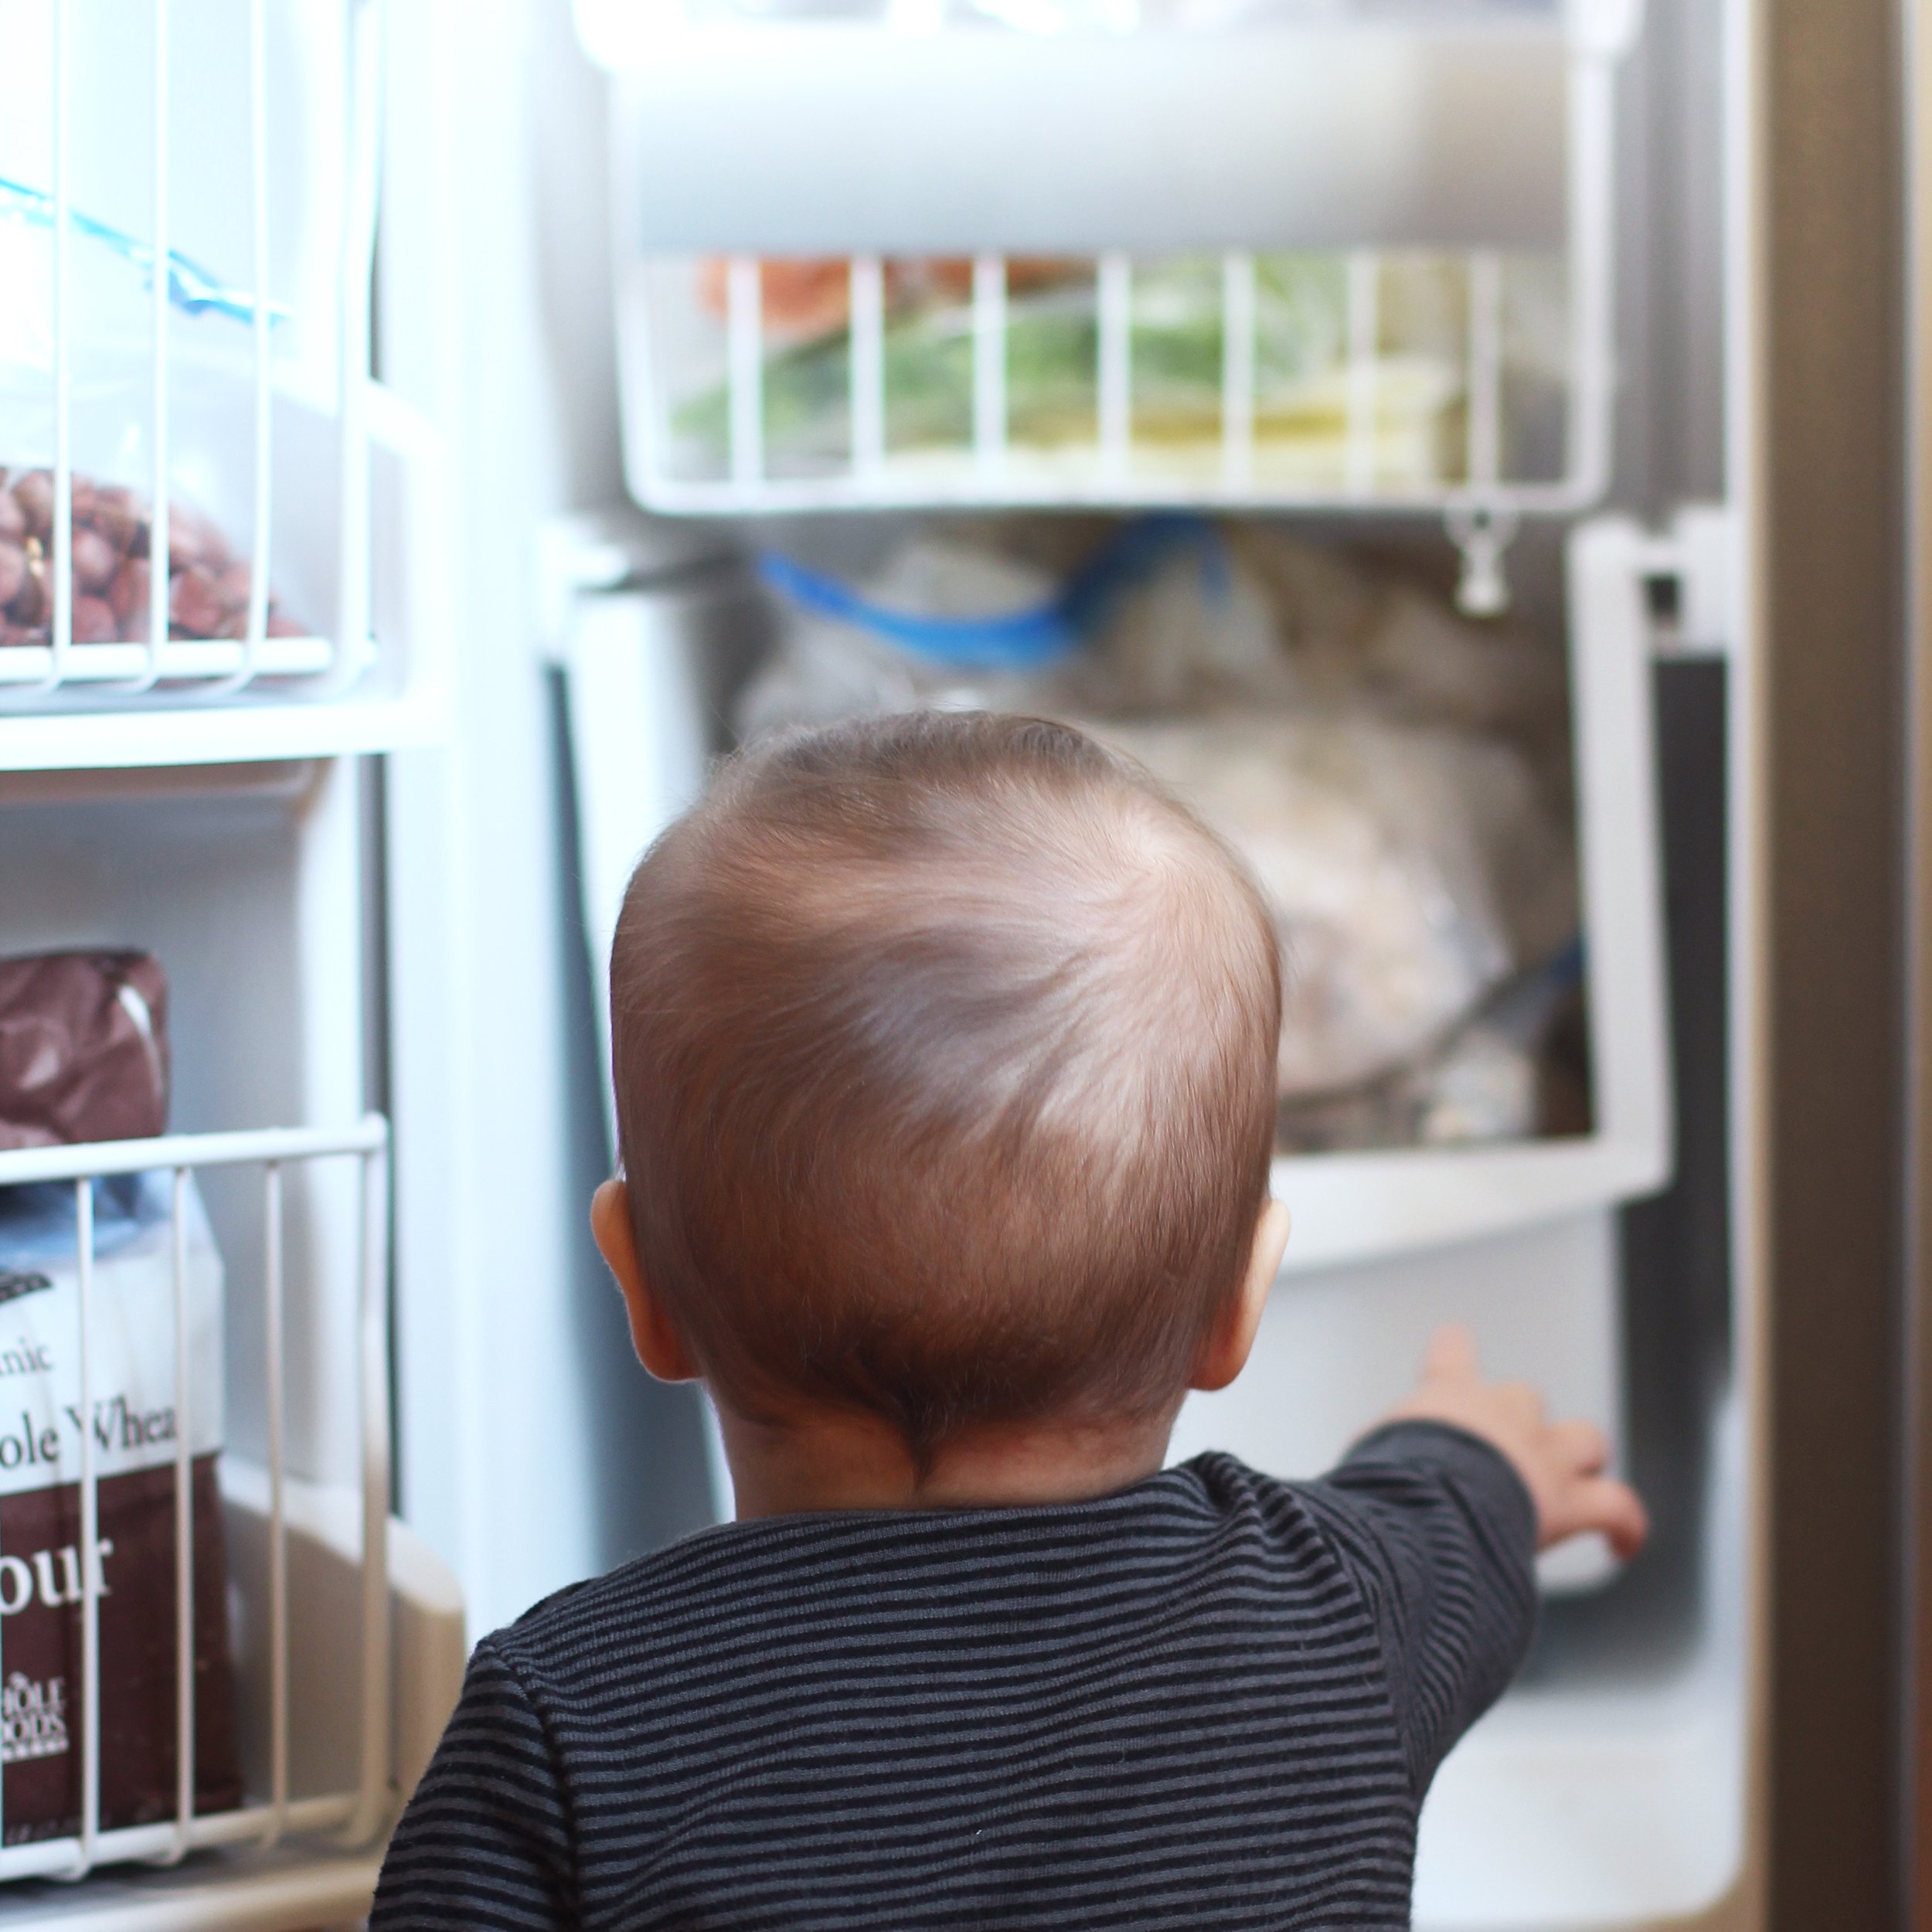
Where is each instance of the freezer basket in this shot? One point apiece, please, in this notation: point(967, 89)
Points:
point(194, 463)
point(1350, 258)
point(1410, 379)
point(310, 1751)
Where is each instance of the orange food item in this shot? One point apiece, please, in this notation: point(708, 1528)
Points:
point(800, 297)
point(804, 297)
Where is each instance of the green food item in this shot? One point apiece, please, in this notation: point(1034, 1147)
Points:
point(1175, 350)
point(1301, 326)
point(1053, 345)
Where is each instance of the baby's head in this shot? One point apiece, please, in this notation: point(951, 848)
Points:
point(944, 1051)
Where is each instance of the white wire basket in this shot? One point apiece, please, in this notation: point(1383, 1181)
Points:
point(221, 415)
point(328, 1724)
point(1397, 380)
point(847, 248)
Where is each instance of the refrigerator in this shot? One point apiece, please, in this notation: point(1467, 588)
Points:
point(496, 384)
point(626, 393)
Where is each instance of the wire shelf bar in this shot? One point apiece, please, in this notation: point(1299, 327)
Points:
point(1115, 375)
point(62, 614)
point(160, 548)
point(989, 367)
point(184, 1542)
point(745, 300)
point(868, 366)
point(274, 1383)
point(86, 1849)
point(1237, 370)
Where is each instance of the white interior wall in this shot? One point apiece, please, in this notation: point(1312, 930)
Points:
point(524, 1452)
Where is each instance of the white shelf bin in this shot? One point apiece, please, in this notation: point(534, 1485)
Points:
point(306, 697)
point(344, 1673)
point(1483, 147)
point(642, 674)
point(239, 388)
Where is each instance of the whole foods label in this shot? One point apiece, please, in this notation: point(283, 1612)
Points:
point(40, 1655)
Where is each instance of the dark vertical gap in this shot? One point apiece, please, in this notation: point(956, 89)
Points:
point(371, 779)
point(1915, 1354)
point(1836, 712)
point(652, 1481)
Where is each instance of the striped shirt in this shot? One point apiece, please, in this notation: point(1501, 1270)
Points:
point(1210, 1700)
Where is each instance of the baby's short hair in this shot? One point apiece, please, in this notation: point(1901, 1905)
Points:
point(945, 1056)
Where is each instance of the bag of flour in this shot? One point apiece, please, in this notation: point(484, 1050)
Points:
point(133, 1420)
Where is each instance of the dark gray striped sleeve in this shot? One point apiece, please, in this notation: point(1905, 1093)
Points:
point(486, 1841)
point(1440, 1533)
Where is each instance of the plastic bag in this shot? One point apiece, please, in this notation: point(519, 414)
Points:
point(1396, 778)
point(84, 1056)
point(211, 405)
point(208, 585)
point(133, 1424)
point(1384, 850)
point(1304, 386)
point(83, 1048)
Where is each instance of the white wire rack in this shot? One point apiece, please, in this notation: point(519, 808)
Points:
point(357, 1813)
point(285, 451)
point(877, 147)
point(988, 466)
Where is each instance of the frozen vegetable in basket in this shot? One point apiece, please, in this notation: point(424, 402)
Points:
point(1308, 396)
point(805, 317)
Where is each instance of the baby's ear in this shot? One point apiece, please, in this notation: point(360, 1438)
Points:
point(653, 1334)
point(1225, 1353)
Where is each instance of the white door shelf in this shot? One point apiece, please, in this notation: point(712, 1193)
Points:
point(347, 1636)
point(378, 685)
point(188, 199)
point(767, 132)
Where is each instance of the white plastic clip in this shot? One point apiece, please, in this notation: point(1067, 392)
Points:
point(1482, 535)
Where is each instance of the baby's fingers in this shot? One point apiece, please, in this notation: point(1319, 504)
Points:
point(1583, 1447)
point(1451, 1355)
point(1602, 1504)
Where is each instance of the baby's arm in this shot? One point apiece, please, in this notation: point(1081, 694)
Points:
point(1437, 1515)
point(1561, 1463)
point(485, 1845)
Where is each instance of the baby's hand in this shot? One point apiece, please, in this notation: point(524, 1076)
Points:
point(1561, 1463)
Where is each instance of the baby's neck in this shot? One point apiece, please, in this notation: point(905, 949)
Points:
point(832, 1460)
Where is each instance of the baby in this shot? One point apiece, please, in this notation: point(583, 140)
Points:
point(945, 1053)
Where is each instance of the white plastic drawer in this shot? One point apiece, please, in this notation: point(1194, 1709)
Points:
point(646, 671)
